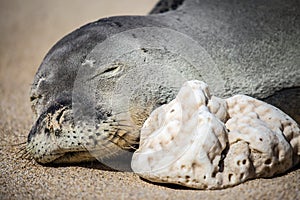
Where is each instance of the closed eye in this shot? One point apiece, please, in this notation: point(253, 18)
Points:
point(109, 72)
point(114, 68)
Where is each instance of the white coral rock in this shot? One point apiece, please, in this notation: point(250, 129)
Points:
point(206, 142)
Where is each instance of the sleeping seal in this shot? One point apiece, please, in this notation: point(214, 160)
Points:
point(96, 86)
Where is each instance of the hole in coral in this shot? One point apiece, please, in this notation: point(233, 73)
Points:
point(241, 176)
point(204, 177)
point(238, 162)
point(230, 177)
point(260, 139)
point(223, 156)
point(213, 175)
point(244, 162)
point(268, 161)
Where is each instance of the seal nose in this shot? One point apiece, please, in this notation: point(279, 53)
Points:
point(50, 119)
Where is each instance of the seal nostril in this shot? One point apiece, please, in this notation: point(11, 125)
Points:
point(47, 131)
point(60, 114)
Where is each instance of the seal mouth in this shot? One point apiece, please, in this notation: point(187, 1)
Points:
point(74, 157)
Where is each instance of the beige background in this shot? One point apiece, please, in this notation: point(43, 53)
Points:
point(28, 29)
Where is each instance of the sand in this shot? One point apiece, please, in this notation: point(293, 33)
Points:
point(28, 30)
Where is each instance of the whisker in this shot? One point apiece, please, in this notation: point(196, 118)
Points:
point(28, 161)
point(20, 136)
point(19, 151)
point(124, 139)
point(18, 144)
point(121, 120)
point(29, 156)
point(22, 155)
point(125, 125)
point(118, 113)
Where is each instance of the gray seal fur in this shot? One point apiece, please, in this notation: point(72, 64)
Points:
point(254, 46)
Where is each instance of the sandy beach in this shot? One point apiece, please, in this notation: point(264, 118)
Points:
point(28, 30)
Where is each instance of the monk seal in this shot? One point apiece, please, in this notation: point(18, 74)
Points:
point(97, 85)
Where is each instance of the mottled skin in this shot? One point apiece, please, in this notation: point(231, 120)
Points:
point(254, 45)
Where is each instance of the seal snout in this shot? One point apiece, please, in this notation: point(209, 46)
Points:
point(59, 137)
point(42, 142)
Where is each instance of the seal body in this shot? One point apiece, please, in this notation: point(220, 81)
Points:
point(96, 86)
